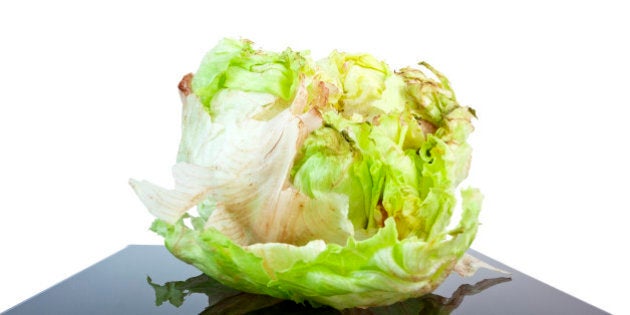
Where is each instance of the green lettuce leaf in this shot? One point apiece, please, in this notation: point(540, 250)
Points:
point(236, 64)
point(365, 86)
point(380, 270)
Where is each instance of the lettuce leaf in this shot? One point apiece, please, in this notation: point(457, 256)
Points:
point(380, 270)
point(236, 64)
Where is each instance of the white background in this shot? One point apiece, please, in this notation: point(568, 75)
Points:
point(88, 99)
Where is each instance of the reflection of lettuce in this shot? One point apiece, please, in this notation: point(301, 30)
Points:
point(330, 181)
point(224, 300)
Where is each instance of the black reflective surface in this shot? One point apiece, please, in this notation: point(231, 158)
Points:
point(138, 278)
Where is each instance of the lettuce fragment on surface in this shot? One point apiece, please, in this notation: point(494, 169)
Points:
point(332, 182)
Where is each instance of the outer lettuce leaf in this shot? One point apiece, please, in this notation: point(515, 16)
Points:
point(247, 180)
point(377, 271)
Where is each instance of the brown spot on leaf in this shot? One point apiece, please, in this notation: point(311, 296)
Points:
point(320, 95)
point(426, 126)
point(382, 215)
point(184, 85)
point(376, 120)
